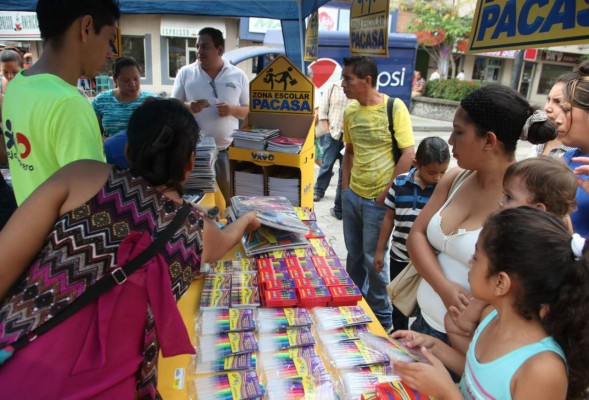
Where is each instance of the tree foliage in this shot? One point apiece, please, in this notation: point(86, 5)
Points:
point(438, 28)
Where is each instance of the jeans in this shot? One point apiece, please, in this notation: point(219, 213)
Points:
point(419, 325)
point(223, 175)
point(331, 153)
point(362, 221)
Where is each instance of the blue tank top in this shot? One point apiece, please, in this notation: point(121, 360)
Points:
point(492, 380)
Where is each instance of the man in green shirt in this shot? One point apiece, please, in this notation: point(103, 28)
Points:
point(47, 123)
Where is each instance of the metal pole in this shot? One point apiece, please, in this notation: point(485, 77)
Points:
point(518, 64)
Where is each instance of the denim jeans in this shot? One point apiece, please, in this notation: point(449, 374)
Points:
point(419, 325)
point(362, 221)
point(331, 153)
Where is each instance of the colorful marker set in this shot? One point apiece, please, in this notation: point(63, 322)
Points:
point(355, 384)
point(212, 347)
point(292, 363)
point(309, 282)
point(301, 388)
point(241, 385)
point(396, 350)
point(329, 318)
point(345, 334)
point(236, 289)
point(292, 337)
point(354, 354)
point(229, 266)
point(212, 322)
point(232, 363)
point(278, 319)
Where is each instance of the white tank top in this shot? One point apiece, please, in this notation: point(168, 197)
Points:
point(455, 251)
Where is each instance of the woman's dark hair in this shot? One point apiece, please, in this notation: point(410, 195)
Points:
point(432, 150)
point(124, 62)
point(534, 248)
point(504, 111)
point(549, 180)
point(362, 67)
point(576, 89)
point(162, 136)
point(10, 56)
point(56, 16)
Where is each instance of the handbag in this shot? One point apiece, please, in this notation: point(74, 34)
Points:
point(117, 277)
point(403, 289)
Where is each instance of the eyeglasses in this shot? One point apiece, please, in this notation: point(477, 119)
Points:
point(212, 83)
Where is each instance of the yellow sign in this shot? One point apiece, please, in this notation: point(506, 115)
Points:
point(311, 38)
point(510, 24)
point(369, 28)
point(115, 44)
point(282, 88)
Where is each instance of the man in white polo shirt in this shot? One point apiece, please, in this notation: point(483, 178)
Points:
point(217, 93)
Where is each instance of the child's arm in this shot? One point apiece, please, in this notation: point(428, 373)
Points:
point(385, 233)
point(459, 339)
point(532, 381)
point(217, 242)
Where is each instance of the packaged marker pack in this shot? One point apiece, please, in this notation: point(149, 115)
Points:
point(241, 385)
point(212, 347)
point(292, 337)
point(278, 319)
point(291, 363)
point(213, 322)
point(239, 362)
point(329, 318)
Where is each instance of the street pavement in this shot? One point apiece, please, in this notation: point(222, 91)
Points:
point(422, 128)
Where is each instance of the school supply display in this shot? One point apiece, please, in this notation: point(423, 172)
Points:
point(283, 144)
point(229, 266)
point(354, 354)
point(396, 350)
point(265, 239)
point(301, 388)
point(202, 177)
point(278, 319)
point(241, 385)
point(355, 384)
point(291, 363)
point(282, 221)
point(285, 182)
point(248, 179)
point(244, 204)
point(290, 338)
point(213, 347)
point(329, 318)
point(241, 362)
point(253, 137)
point(212, 322)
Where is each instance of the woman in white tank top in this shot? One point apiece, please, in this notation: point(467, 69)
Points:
point(487, 126)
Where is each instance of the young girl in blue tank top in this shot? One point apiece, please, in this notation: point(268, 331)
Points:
point(533, 344)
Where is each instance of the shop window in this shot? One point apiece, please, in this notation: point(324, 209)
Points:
point(179, 54)
point(550, 72)
point(134, 46)
point(487, 69)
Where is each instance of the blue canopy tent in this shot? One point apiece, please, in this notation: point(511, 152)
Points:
point(292, 14)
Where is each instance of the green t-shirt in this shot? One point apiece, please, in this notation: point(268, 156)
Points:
point(367, 129)
point(47, 124)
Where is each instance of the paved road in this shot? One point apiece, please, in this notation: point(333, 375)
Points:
point(423, 128)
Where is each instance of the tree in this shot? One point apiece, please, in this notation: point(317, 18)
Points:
point(438, 28)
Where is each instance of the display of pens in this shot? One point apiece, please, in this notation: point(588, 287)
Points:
point(329, 318)
point(278, 319)
point(209, 322)
point(242, 385)
point(292, 337)
point(212, 347)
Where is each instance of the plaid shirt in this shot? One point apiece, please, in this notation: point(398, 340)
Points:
point(333, 104)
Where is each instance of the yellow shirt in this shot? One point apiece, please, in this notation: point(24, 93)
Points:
point(367, 129)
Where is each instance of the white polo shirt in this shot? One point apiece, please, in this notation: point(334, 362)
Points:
point(232, 87)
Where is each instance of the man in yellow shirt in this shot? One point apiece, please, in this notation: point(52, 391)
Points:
point(368, 171)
